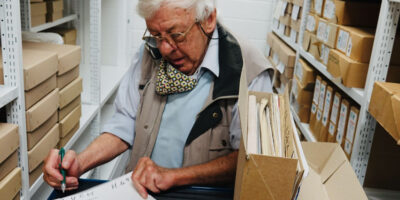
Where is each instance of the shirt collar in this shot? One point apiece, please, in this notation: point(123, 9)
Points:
point(211, 58)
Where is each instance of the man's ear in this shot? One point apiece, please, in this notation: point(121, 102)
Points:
point(210, 23)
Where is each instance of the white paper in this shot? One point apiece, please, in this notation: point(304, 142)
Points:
point(331, 128)
point(317, 91)
point(275, 24)
point(349, 47)
point(252, 143)
point(120, 188)
point(322, 97)
point(351, 126)
point(299, 71)
point(275, 58)
point(280, 67)
point(326, 108)
point(347, 147)
point(318, 6)
point(294, 90)
point(327, 33)
point(325, 54)
point(319, 115)
point(321, 30)
point(342, 122)
point(284, 6)
point(278, 9)
point(310, 23)
point(295, 12)
point(293, 35)
point(281, 29)
point(335, 109)
point(313, 108)
point(342, 40)
point(329, 10)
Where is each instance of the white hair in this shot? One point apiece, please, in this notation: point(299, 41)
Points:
point(203, 8)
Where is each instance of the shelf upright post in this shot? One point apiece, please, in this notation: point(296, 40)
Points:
point(25, 9)
point(11, 41)
point(378, 68)
point(95, 64)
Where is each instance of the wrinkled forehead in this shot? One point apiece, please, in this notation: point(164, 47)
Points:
point(166, 17)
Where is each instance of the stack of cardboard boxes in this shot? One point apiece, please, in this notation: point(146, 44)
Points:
point(10, 173)
point(302, 90)
point(54, 10)
point(68, 34)
point(287, 18)
point(340, 39)
point(282, 57)
point(38, 12)
point(333, 117)
point(69, 85)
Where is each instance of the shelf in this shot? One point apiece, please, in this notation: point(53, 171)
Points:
point(111, 76)
point(88, 113)
point(304, 127)
point(286, 39)
point(356, 94)
point(7, 94)
point(55, 23)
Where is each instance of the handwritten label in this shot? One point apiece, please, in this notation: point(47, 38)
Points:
point(322, 97)
point(349, 47)
point(311, 23)
point(342, 40)
point(329, 9)
point(351, 126)
point(317, 91)
point(331, 129)
point(319, 115)
point(347, 147)
point(313, 108)
point(321, 31)
point(325, 54)
point(318, 6)
point(335, 109)
point(326, 107)
point(342, 123)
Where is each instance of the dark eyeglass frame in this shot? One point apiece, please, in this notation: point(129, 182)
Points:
point(172, 38)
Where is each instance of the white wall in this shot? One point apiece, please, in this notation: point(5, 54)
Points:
point(250, 19)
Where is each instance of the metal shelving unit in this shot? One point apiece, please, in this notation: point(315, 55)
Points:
point(48, 25)
point(378, 67)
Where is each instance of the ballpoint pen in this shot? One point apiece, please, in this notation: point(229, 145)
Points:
point(62, 153)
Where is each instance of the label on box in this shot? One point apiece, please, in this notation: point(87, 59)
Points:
point(327, 33)
point(342, 40)
point(278, 9)
point(281, 29)
point(326, 107)
point(318, 6)
point(313, 108)
point(342, 122)
point(319, 115)
point(293, 36)
point(349, 47)
point(284, 6)
point(294, 90)
point(280, 67)
point(321, 97)
point(299, 71)
point(325, 54)
point(310, 23)
point(275, 58)
point(275, 24)
point(267, 50)
point(347, 147)
point(295, 12)
point(329, 10)
point(335, 109)
point(321, 30)
point(351, 126)
point(331, 129)
point(317, 91)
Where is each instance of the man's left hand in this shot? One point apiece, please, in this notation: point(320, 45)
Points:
point(148, 175)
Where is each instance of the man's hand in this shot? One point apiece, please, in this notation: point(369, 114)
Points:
point(51, 170)
point(148, 175)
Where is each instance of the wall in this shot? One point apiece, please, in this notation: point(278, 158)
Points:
point(250, 19)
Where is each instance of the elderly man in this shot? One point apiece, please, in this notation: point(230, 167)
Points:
point(177, 106)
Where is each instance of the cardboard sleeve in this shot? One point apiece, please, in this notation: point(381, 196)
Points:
point(9, 140)
point(11, 184)
point(35, 136)
point(35, 94)
point(70, 92)
point(69, 122)
point(42, 111)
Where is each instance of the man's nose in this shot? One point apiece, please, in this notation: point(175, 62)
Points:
point(166, 47)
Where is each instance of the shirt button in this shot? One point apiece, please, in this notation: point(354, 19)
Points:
point(215, 115)
point(224, 143)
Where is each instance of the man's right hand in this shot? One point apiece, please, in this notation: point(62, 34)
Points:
point(51, 170)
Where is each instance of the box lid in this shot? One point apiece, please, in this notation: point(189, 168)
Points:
point(42, 111)
point(69, 56)
point(68, 123)
point(35, 136)
point(331, 176)
point(11, 184)
point(9, 140)
point(8, 165)
point(40, 151)
point(34, 95)
point(69, 108)
point(70, 92)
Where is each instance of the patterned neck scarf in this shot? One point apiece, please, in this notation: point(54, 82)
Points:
point(171, 81)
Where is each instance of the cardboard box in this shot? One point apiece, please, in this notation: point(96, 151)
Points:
point(69, 56)
point(35, 136)
point(50, 17)
point(385, 107)
point(305, 74)
point(318, 7)
point(42, 111)
point(11, 184)
point(352, 73)
point(363, 14)
point(9, 140)
point(306, 41)
point(356, 42)
point(327, 33)
point(68, 123)
point(324, 54)
point(69, 108)
point(38, 67)
point(285, 20)
point(55, 6)
point(312, 23)
point(351, 130)
point(331, 175)
point(333, 120)
point(40, 151)
point(67, 78)
point(8, 165)
point(287, 31)
point(67, 138)
point(38, 20)
point(314, 105)
point(323, 135)
point(286, 55)
point(302, 111)
point(321, 103)
point(38, 9)
point(33, 95)
point(315, 47)
point(343, 119)
point(303, 96)
point(295, 25)
point(69, 35)
point(35, 174)
point(70, 92)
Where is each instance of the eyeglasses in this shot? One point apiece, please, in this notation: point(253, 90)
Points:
point(172, 38)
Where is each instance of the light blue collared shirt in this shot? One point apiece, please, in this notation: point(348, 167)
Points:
point(122, 123)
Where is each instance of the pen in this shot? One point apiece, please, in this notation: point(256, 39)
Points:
point(62, 153)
